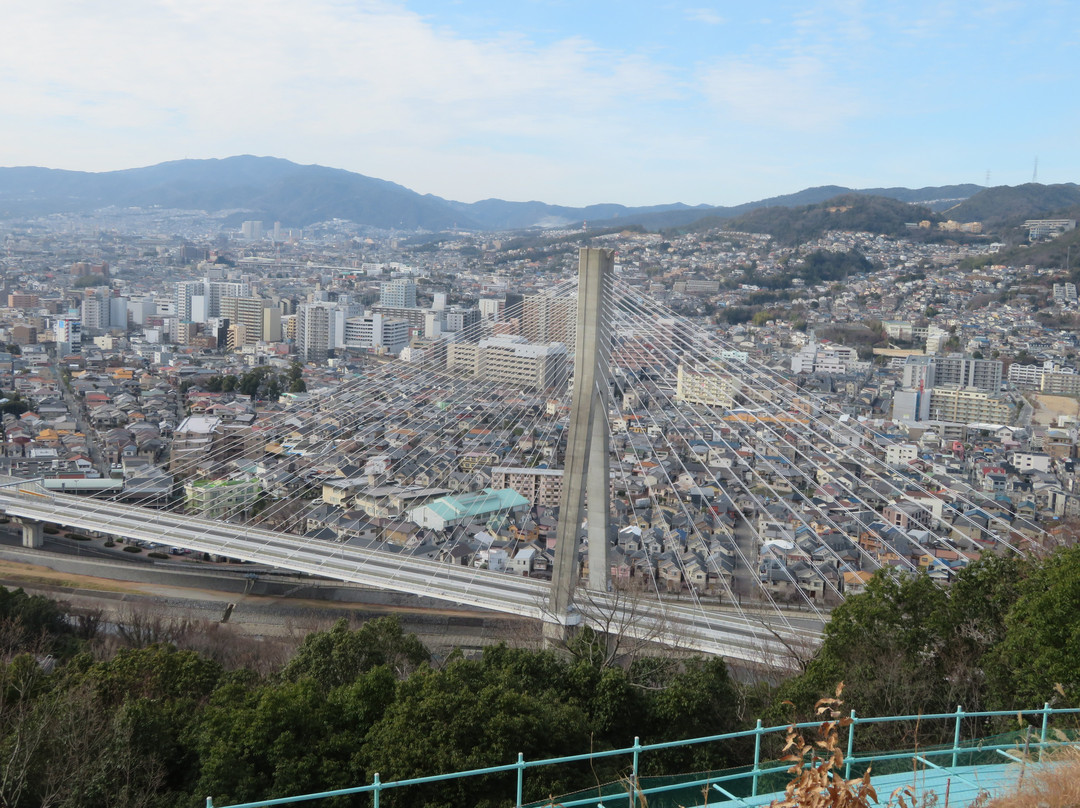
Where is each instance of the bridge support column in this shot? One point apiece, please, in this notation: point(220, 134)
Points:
point(32, 535)
point(586, 464)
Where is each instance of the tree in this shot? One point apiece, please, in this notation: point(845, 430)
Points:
point(1040, 647)
point(87, 281)
point(286, 738)
point(15, 405)
point(338, 656)
point(470, 715)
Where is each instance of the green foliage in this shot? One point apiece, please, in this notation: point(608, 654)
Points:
point(276, 740)
point(908, 646)
point(34, 622)
point(336, 657)
point(263, 382)
point(1040, 647)
point(471, 715)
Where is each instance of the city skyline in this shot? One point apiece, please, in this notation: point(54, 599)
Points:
point(570, 105)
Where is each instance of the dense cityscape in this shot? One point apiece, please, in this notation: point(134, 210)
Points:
point(186, 371)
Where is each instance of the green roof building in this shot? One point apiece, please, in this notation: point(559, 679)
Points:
point(466, 509)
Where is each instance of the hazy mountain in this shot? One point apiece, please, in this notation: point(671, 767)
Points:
point(1011, 205)
point(932, 198)
point(267, 188)
point(498, 214)
point(272, 190)
point(850, 211)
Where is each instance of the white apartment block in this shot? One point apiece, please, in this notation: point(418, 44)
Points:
point(900, 454)
point(376, 332)
point(706, 387)
point(511, 361)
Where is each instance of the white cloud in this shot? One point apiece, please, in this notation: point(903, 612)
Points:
point(795, 94)
point(705, 15)
point(355, 84)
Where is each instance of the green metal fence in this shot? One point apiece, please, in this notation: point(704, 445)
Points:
point(763, 776)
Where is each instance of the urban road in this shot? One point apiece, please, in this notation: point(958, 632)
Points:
point(766, 639)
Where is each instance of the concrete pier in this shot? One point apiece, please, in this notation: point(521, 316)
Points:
point(586, 467)
point(32, 533)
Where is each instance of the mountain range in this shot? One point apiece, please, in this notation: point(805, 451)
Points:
point(273, 189)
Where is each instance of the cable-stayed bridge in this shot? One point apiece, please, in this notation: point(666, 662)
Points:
point(678, 463)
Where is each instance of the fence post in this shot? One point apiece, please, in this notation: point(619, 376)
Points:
point(850, 746)
point(634, 770)
point(375, 793)
point(956, 733)
point(520, 777)
point(757, 757)
point(1045, 727)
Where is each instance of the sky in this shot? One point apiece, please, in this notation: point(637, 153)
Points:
point(569, 102)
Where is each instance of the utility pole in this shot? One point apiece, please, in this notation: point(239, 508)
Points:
point(586, 468)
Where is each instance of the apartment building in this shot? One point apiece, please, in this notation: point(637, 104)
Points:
point(968, 405)
point(511, 361)
point(706, 387)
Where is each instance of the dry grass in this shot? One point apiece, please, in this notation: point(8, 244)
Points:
point(1053, 784)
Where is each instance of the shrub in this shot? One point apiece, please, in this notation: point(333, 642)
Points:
point(131, 548)
point(52, 531)
point(78, 536)
point(156, 554)
point(110, 543)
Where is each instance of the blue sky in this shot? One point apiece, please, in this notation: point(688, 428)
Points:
point(567, 102)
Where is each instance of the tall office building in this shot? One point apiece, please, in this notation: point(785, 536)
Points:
point(398, 293)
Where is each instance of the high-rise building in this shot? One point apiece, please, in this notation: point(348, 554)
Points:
point(953, 370)
point(313, 332)
point(96, 311)
point(968, 405)
point(252, 230)
point(320, 328)
point(261, 318)
point(549, 319)
point(198, 301)
point(398, 293)
point(67, 334)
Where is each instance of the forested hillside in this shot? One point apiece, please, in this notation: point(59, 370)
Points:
point(125, 719)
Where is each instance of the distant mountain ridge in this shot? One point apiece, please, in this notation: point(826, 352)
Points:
point(273, 189)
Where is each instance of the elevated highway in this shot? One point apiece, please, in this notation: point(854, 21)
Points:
point(765, 639)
